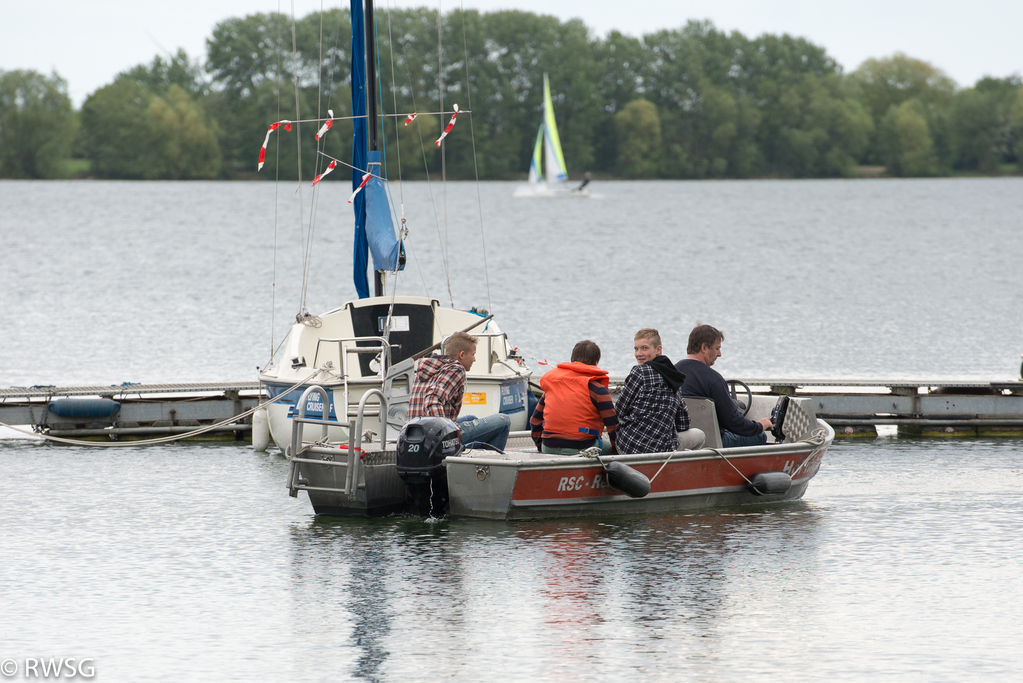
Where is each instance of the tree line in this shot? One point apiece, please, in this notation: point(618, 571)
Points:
point(693, 102)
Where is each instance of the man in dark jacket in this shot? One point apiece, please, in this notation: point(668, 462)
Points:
point(704, 348)
point(652, 417)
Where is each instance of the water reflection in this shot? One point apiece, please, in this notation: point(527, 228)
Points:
point(388, 593)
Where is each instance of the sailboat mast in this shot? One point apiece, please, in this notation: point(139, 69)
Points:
point(371, 110)
point(371, 77)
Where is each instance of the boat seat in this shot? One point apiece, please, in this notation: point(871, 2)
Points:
point(703, 415)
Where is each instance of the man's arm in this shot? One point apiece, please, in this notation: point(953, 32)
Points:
point(682, 416)
point(601, 398)
point(536, 425)
point(728, 415)
point(630, 390)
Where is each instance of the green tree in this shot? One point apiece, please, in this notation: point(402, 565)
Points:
point(254, 76)
point(888, 82)
point(639, 139)
point(981, 124)
point(131, 131)
point(906, 141)
point(814, 128)
point(36, 125)
point(117, 134)
point(1017, 126)
point(893, 80)
point(619, 61)
point(189, 140)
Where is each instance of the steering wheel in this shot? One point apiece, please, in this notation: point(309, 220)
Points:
point(742, 407)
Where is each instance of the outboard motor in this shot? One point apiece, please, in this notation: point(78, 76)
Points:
point(423, 444)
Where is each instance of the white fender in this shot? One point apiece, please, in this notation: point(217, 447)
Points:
point(260, 430)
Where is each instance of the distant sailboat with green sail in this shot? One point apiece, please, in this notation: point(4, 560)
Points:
point(548, 174)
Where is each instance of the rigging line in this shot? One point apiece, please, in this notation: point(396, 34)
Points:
point(475, 165)
point(383, 126)
point(443, 145)
point(397, 141)
point(345, 163)
point(429, 181)
point(416, 259)
point(298, 145)
point(307, 256)
point(379, 115)
point(277, 187)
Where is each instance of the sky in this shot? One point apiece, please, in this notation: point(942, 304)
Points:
point(88, 43)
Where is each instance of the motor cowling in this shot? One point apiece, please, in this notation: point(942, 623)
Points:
point(423, 444)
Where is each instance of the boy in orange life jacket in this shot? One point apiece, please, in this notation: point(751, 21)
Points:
point(576, 405)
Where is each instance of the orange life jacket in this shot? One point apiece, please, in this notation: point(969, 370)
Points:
point(568, 409)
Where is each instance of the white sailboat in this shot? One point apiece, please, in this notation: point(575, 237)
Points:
point(548, 175)
point(372, 343)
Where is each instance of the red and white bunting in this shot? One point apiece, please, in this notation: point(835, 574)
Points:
point(365, 179)
point(410, 118)
point(451, 124)
point(326, 125)
point(330, 167)
point(266, 140)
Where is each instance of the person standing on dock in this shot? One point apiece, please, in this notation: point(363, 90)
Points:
point(576, 406)
point(438, 388)
point(652, 415)
point(701, 381)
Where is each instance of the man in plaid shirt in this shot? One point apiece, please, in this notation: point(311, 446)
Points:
point(438, 388)
point(652, 416)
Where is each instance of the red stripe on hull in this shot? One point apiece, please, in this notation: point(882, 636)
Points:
point(590, 482)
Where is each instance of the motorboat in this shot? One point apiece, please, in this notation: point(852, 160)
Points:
point(521, 483)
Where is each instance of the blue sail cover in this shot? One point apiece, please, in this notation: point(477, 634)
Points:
point(386, 248)
point(360, 256)
point(374, 229)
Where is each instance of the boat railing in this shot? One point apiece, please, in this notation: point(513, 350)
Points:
point(345, 347)
point(489, 337)
point(353, 461)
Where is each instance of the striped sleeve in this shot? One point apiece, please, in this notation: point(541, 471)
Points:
point(536, 424)
point(605, 407)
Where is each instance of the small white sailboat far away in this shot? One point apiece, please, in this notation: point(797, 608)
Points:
point(548, 175)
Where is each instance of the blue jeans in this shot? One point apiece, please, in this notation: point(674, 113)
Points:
point(492, 429)
point(605, 448)
point(729, 440)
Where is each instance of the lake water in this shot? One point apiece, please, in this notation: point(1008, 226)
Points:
point(190, 562)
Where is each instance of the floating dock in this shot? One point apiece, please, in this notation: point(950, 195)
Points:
point(133, 411)
point(853, 407)
point(915, 407)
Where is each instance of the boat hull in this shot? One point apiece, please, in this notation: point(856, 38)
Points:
point(533, 486)
point(378, 491)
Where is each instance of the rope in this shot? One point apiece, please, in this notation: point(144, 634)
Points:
point(429, 182)
point(475, 163)
point(277, 185)
point(298, 138)
point(445, 247)
point(164, 439)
